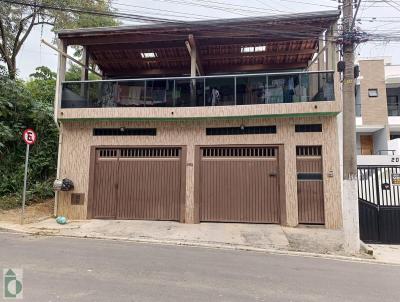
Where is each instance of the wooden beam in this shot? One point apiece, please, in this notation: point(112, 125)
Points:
point(61, 69)
point(331, 49)
point(207, 57)
point(195, 61)
point(218, 69)
point(139, 46)
point(318, 57)
point(85, 62)
point(175, 40)
point(125, 39)
point(84, 72)
point(260, 54)
point(64, 54)
point(98, 49)
point(194, 45)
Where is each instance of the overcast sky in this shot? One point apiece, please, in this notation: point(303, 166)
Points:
point(35, 54)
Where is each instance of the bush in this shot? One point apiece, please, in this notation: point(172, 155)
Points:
point(27, 105)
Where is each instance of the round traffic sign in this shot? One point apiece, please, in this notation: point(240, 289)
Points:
point(29, 136)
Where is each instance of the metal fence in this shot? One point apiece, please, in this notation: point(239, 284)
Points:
point(376, 185)
point(379, 203)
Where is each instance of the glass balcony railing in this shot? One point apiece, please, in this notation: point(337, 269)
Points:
point(227, 90)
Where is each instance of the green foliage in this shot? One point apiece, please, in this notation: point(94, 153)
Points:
point(27, 105)
point(74, 73)
point(9, 202)
point(82, 20)
point(17, 22)
point(41, 85)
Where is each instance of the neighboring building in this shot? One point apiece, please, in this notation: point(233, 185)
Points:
point(378, 107)
point(226, 121)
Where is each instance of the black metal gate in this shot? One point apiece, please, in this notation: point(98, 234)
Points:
point(379, 203)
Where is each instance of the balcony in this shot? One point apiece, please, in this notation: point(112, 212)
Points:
point(228, 95)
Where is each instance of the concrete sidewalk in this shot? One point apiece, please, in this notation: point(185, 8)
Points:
point(263, 237)
point(389, 253)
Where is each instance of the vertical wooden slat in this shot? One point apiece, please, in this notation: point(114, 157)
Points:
point(239, 185)
point(149, 185)
point(105, 179)
point(310, 192)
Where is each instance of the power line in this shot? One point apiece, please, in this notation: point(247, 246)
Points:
point(80, 10)
point(299, 34)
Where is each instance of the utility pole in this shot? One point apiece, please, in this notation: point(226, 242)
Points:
point(350, 196)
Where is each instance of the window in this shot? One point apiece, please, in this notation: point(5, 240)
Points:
point(124, 131)
point(308, 151)
point(308, 128)
point(394, 136)
point(309, 176)
point(358, 100)
point(248, 49)
point(148, 55)
point(239, 152)
point(241, 130)
point(373, 93)
point(393, 105)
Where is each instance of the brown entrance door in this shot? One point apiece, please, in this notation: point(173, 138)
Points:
point(105, 183)
point(367, 144)
point(138, 183)
point(310, 193)
point(239, 184)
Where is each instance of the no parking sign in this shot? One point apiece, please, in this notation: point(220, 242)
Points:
point(29, 136)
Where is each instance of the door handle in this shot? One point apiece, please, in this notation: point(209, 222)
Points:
point(273, 174)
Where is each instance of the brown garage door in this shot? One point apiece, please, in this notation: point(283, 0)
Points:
point(239, 184)
point(310, 193)
point(137, 183)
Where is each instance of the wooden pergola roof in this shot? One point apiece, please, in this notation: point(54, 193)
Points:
point(290, 42)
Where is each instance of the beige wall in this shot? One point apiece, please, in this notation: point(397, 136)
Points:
point(373, 110)
point(77, 140)
point(154, 113)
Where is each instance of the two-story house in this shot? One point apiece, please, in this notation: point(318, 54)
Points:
point(378, 107)
point(229, 120)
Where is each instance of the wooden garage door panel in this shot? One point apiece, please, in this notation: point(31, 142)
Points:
point(149, 189)
point(137, 183)
point(239, 189)
point(105, 195)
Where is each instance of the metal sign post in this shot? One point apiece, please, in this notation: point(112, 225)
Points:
point(29, 136)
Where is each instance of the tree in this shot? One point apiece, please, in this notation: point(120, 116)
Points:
point(17, 19)
point(42, 85)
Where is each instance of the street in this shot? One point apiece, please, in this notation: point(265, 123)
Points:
point(68, 269)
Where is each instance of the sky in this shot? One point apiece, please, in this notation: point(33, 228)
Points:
point(375, 17)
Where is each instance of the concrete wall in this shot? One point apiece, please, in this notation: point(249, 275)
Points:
point(373, 109)
point(358, 143)
point(77, 140)
point(380, 138)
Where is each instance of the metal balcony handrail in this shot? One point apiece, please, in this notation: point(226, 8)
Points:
point(389, 150)
point(204, 77)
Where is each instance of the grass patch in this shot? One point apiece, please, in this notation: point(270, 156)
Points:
point(9, 202)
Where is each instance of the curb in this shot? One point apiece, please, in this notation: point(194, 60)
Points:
point(366, 249)
point(226, 246)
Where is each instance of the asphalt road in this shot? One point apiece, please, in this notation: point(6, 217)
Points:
point(65, 269)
